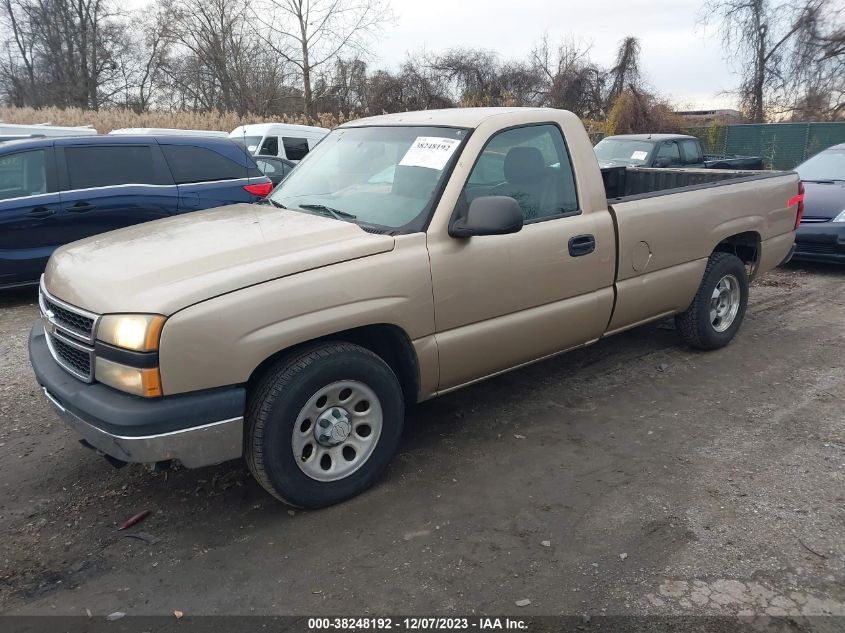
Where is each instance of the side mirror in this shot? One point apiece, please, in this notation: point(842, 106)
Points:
point(661, 162)
point(489, 215)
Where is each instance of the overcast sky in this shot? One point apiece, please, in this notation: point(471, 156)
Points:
point(681, 59)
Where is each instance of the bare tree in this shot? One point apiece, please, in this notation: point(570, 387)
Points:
point(311, 34)
point(62, 52)
point(569, 78)
point(219, 62)
point(763, 38)
point(625, 72)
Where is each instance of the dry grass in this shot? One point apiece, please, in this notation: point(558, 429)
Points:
point(107, 120)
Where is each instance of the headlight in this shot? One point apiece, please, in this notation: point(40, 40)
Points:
point(141, 382)
point(138, 332)
point(840, 217)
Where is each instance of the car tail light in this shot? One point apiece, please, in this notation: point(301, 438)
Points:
point(799, 200)
point(259, 189)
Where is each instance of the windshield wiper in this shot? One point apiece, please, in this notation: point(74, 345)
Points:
point(337, 213)
point(278, 205)
point(826, 181)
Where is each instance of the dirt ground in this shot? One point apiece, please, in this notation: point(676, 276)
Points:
point(632, 477)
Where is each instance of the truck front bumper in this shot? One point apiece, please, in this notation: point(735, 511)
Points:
point(198, 429)
point(821, 242)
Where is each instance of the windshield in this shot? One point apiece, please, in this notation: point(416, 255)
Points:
point(623, 152)
point(382, 176)
point(829, 165)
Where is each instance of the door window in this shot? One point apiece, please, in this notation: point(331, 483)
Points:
point(200, 164)
point(692, 155)
point(22, 174)
point(668, 155)
point(108, 165)
point(295, 148)
point(530, 164)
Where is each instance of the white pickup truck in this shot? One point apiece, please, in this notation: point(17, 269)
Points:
point(406, 256)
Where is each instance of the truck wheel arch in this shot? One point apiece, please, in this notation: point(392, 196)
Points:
point(390, 342)
point(745, 245)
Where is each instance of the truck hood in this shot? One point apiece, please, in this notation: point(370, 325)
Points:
point(824, 199)
point(165, 265)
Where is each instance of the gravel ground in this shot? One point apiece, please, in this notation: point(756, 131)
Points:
point(632, 477)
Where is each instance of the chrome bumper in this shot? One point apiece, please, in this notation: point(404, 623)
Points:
point(194, 447)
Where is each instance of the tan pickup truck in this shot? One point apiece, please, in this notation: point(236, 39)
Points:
point(406, 256)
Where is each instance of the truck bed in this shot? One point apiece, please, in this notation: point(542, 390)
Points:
point(623, 183)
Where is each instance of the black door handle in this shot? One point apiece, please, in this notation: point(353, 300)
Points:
point(81, 207)
point(582, 245)
point(41, 212)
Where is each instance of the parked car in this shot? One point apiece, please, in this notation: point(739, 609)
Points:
point(274, 168)
point(59, 190)
point(821, 236)
point(162, 131)
point(666, 150)
point(295, 332)
point(279, 139)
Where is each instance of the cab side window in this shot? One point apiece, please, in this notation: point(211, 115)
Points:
point(530, 164)
point(22, 174)
point(668, 155)
point(692, 153)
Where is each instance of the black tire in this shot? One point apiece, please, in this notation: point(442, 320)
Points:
point(695, 324)
point(279, 397)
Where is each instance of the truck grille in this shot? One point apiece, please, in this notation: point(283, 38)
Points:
point(77, 323)
point(70, 333)
point(70, 320)
point(74, 358)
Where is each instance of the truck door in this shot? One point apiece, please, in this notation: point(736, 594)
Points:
point(30, 214)
point(504, 300)
point(110, 186)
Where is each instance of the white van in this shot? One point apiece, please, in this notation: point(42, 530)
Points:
point(169, 131)
point(279, 139)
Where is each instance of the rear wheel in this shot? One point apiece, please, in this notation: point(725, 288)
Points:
point(323, 424)
point(718, 309)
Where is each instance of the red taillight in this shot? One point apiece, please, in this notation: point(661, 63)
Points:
point(259, 189)
point(799, 200)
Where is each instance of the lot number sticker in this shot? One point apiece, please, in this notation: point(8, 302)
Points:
point(430, 151)
point(639, 155)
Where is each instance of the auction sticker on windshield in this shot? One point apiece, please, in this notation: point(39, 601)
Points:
point(639, 155)
point(430, 151)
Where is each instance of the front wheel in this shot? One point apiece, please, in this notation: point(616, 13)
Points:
point(717, 311)
point(323, 424)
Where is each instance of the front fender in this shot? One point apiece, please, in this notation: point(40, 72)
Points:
point(221, 341)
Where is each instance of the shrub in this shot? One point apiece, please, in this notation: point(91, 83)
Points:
point(637, 112)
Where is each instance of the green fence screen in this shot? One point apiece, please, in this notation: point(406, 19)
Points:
point(782, 145)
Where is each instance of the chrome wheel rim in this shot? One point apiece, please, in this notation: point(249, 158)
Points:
point(337, 430)
point(724, 303)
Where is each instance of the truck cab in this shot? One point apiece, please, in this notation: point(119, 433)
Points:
point(665, 151)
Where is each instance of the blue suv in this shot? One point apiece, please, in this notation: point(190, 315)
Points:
point(59, 190)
